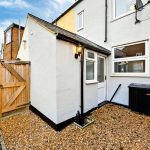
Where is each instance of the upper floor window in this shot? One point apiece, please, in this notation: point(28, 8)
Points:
point(131, 59)
point(123, 7)
point(80, 20)
point(8, 36)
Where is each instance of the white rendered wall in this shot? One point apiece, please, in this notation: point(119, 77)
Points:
point(23, 52)
point(94, 30)
point(68, 81)
point(68, 84)
point(124, 31)
point(42, 54)
point(120, 31)
point(94, 20)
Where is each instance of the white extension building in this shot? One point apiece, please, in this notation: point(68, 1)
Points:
point(123, 57)
point(55, 72)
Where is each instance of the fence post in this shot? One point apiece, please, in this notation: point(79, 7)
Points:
point(0, 101)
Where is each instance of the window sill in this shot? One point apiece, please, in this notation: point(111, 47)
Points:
point(79, 29)
point(120, 17)
point(91, 82)
point(141, 75)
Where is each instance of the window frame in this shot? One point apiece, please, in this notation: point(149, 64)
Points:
point(82, 15)
point(134, 58)
point(7, 42)
point(95, 66)
point(122, 15)
point(104, 58)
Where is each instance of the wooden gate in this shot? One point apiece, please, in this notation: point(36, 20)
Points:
point(14, 85)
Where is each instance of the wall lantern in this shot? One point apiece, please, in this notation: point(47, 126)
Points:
point(79, 51)
point(24, 43)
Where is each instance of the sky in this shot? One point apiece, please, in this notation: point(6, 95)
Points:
point(15, 10)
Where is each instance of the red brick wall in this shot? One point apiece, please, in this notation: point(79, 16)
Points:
point(15, 44)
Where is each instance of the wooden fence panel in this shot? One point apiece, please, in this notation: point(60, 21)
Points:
point(14, 85)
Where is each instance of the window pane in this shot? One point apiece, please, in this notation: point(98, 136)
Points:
point(124, 6)
point(8, 36)
point(91, 55)
point(100, 69)
point(89, 70)
point(130, 51)
point(80, 15)
point(130, 66)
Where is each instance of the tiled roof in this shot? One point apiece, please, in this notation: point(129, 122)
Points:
point(13, 25)
point(71, 37)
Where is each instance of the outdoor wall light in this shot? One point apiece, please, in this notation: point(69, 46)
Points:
point(79, 50)
point(24, 43)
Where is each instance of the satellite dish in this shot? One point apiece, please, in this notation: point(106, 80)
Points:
point(139, 5)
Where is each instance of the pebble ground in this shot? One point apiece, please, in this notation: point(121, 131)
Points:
point(115, 128)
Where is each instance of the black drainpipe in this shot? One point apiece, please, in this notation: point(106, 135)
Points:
point(11, 43)
point(82, 85)
point(106, 18)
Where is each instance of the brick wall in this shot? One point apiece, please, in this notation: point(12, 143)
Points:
point(14, 45)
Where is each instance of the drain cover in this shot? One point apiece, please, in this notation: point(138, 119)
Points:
point(84, 123)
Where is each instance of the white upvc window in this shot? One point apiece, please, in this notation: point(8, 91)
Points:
point(131, 59)
point(91, 67)
point(81, 20)
point(8, 36)
point(123, 7)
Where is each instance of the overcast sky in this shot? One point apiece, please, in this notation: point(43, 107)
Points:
point(15, 10)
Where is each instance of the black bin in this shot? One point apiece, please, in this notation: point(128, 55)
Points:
point(139, 98)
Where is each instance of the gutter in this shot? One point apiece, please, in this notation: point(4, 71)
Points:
point(106, 19)
point(86, 45)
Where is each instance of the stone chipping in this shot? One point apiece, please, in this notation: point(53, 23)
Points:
point(114, 128)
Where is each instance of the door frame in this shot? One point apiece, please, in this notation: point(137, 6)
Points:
point(105, 74)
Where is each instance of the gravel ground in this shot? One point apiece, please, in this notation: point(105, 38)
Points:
point(115, 128)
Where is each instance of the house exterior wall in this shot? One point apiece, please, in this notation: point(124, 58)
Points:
point(42, 52)
point(57, 92)
point(55, 77)
point(124, 31)
point(94, 29)
point(13, 45)
point(94, 20)
point(23, 52)
point(120, 31)
point(67, 21)
point(68, 81)
point(68, 84)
